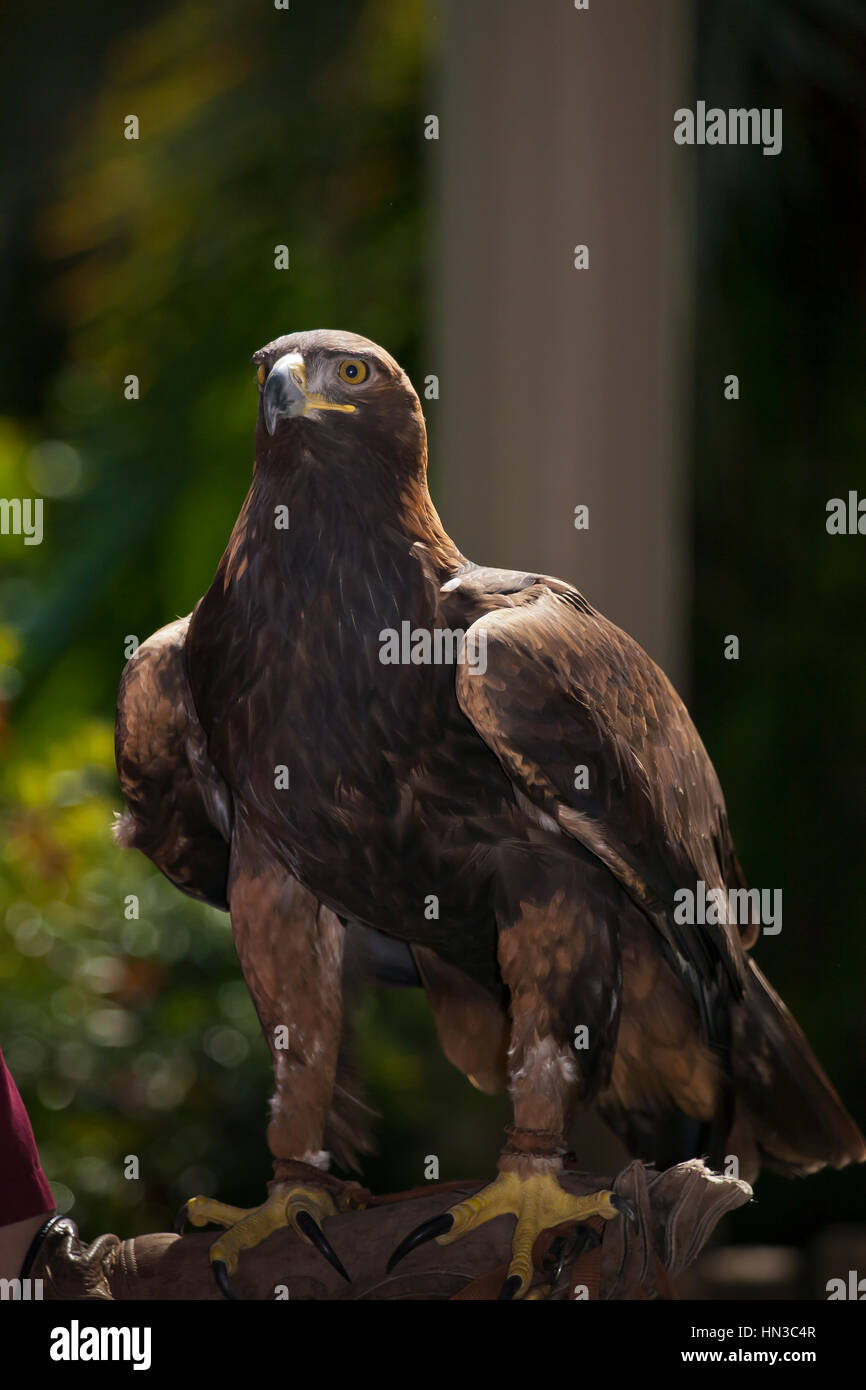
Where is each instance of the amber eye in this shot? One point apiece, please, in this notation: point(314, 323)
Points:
point(262, 374)
point(354, 371)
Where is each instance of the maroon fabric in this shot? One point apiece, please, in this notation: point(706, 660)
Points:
point(24, 1189)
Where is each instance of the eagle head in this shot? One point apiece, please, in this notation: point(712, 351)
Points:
point(338, 390)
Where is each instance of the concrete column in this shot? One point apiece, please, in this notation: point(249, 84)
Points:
point(560, 386)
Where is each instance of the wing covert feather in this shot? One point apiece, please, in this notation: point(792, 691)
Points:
point(563, 689)
point(179, 809)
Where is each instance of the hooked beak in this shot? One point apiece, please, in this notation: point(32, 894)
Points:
point(284, 394)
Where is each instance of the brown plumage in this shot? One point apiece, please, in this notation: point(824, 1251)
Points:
point(409, 783)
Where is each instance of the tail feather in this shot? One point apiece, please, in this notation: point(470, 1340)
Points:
point(797, 1121)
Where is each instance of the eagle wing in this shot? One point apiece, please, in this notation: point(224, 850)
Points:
point(564, 698)
point(179, 808)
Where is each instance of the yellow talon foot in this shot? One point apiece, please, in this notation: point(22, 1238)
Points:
point(301, 1208)
point(538, 1203)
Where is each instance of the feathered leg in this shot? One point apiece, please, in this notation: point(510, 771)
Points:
point(290, 948)
point(560, 961)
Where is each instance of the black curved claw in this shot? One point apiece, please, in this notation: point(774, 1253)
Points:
point(510, 1287)
point(626, 1208)
point(181, 1219)
point(314, 1233)
point(428, 1230)
point(221, 1274)
point(565, 1249)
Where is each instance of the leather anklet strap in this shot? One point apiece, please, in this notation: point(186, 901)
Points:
point(345, 1194)
point(538, 1143)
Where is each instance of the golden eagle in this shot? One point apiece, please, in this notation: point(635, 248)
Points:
point(361, 736)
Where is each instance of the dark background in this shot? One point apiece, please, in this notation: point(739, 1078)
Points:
point(156, 258)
